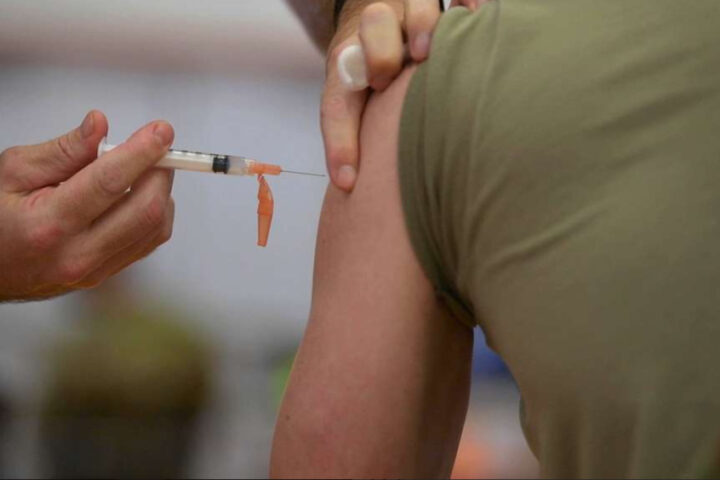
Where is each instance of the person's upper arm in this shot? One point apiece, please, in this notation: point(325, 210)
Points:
point(380, 383)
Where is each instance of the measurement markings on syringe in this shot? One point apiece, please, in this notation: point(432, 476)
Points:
point(220, 163)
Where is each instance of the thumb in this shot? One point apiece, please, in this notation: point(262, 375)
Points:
point(57, 160)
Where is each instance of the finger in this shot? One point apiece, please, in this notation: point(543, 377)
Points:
point(471, 4)
point(340, 117)
point(381, 36)
point(421, 16)
point(134, 253)
point(98, 186)
point(131, 219)
point(55, 161)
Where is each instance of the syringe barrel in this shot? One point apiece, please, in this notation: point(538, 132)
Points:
point(186, 161)
point(197, 161)
point(204, 162)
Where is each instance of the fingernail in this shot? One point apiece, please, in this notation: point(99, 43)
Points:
point(422, 45)
point(163, 133)
point(87, 126)
point(346, 177)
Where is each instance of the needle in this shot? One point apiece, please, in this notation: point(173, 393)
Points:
point(304, 173)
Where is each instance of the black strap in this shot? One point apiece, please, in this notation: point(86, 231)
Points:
point(339, 4)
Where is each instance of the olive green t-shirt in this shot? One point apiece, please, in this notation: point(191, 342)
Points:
point(560, 175)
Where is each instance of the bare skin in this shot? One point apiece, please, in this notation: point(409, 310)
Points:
point(380, 384)
point(69, 220)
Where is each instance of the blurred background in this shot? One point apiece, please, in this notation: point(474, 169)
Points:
point(175, 368)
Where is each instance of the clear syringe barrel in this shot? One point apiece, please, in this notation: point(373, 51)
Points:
point(207, 162)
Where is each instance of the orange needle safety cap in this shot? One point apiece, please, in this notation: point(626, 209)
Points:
point(257, 168)
point(266, 206)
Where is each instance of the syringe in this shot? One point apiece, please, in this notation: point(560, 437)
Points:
point(213, 163)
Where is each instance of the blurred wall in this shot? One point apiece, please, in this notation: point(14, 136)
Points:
point(233, 77)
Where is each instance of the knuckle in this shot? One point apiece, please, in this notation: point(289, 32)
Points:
point(377, 10)
point(333, 107)
point(12, 154)
point(111, 182)
point(44, 235)
point(166, 233)
point(339, 154)
point(73, 270)
point(167, 230)
point(10, 161)
point(92, 282)
point(154, 211)
point(64, 147)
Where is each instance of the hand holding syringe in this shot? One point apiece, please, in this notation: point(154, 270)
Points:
point(228, 165)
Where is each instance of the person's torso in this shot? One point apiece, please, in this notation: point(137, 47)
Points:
point(574, 180)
